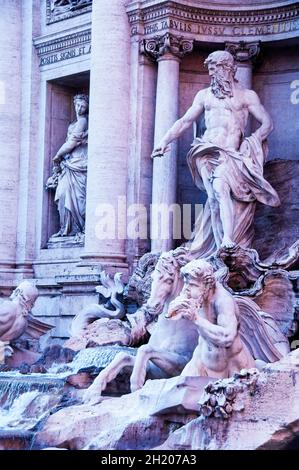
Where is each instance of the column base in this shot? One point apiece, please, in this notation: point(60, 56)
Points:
point(12, 274)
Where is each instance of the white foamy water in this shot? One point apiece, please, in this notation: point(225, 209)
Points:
point(12, 416)
point(91, 357)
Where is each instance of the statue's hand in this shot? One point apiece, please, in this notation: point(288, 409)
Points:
point(56, 159)
point(50, 184)
point(160, 150)
point(52, 181)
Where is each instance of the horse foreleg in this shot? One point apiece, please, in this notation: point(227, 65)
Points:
point(93, 393)
point(170, 362)
point(139, 370)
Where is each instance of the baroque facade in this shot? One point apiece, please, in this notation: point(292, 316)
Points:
point(141, 63)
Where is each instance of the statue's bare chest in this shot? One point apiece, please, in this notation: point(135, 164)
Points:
point(232, 104)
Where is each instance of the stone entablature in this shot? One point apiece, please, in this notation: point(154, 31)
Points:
point(58, 10)
point(150, 18)
point(69, 46)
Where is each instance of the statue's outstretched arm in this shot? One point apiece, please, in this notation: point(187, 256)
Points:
point(181, 125)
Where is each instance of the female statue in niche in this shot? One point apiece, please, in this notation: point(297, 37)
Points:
point(70, 173)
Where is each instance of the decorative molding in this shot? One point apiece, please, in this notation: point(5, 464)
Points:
point(58, 10)
point(168, 43)
point(217, 25)
point(62, 48)
point(243, 51)
point(209, 16)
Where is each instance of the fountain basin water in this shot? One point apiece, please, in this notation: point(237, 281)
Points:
point(27, 399)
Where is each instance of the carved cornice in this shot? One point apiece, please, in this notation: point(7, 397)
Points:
point(58, 10)
point(64, 47)
point(209, 16)
point(191, 20)
point(243, 51)
point(64, 42)
point(156, 47)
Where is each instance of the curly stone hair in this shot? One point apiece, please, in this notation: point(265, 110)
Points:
point(83, 97)
point(199, 270)
point(222, 57)
point(173, 260)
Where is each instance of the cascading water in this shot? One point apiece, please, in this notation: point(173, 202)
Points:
point(26, 400)
point(14, 385)
point(98, 358)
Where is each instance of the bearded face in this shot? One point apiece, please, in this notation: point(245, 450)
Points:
point(221, 80)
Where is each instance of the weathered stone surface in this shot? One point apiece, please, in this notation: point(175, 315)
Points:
point(180, 394)
point(276, 228)
point(55, 354)
point(270, 419)
point(101, 332)
point(265, 415)
point(134, 423)
point(21, 356)
point(85, 426)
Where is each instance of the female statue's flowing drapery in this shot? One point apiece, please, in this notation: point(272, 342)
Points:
point(70, 173)
point(70, 195)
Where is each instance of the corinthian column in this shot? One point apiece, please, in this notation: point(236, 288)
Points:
point(108, 145)
point(167, 50)
point(244, 54)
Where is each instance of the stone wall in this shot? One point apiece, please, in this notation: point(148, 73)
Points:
point(276, 228)
point(272, 80)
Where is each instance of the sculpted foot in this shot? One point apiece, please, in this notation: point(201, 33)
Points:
point(91, 397)
point(227, 243)
point(94, 399)
point(58, 234)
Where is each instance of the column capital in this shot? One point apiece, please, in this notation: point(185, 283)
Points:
point(158, 46)
point(243, 51)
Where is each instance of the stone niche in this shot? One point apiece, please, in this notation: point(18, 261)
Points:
point(59, 114)
point(274, 74)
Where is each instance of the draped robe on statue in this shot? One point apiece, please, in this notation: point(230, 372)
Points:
point(70, 195)
point(242, 170)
